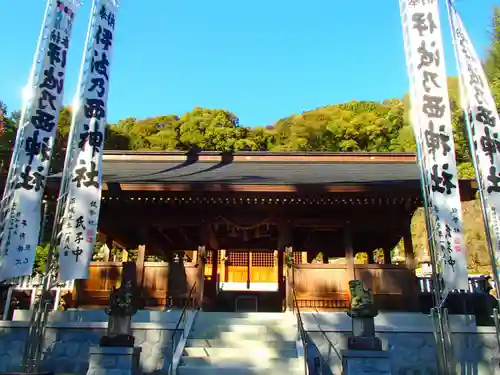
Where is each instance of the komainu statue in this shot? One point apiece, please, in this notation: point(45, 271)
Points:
point(362, 304)
point(123, 304)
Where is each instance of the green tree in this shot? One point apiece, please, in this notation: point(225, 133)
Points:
point(492, 62)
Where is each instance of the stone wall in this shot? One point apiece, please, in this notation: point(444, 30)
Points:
point(69, 336)
point(67, 348)
point(410, 341)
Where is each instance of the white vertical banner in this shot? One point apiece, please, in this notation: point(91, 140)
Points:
point(479, 105)
point(35, 143)
point(431, 117)
point(82, 204)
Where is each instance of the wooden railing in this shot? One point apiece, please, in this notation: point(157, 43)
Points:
point(325, 286)
point(153, 283)
point(321, 286)
point(394, 286)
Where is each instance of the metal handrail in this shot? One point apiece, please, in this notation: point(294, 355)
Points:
point(330, 343)
point(181, 320)
point(302, 331)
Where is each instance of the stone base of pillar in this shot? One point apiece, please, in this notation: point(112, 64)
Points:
point(366, 362)
point(114, 361)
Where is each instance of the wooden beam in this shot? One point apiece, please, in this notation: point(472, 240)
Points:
point(362, 219)
point(413, 187)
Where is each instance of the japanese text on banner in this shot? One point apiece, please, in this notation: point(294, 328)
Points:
point(84, 190)
point(481, 108)
point(36, 145)
point(431, 107)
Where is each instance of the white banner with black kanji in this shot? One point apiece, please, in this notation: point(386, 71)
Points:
point(431, 119)
point(480, 107)
point(35, 143)
point(82, 204)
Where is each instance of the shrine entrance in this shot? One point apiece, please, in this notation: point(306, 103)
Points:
point(255, 270)
point(245, 280)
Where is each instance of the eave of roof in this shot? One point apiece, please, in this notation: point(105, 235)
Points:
point(152, 171)
point(259, 168)
point(261, 156)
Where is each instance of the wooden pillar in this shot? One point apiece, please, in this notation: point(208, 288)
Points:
point(200, 262)
point(276, 263)
point(284, 246)
point(408, 243)
point(249, 269)
point(141, 257)
point(215, 271)
point(387, 256)
point(371, 258)
point(107, 251)
point(349, 251)
point(412, 300)
point(213, 244)
point(289, 279)
point(280, 254)
point(222, 269)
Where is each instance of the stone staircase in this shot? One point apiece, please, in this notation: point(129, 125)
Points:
point(242, 344)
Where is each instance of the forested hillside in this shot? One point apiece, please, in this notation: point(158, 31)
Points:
point(353, 126)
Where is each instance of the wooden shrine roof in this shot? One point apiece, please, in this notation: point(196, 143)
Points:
point(258, 168)
point(155, 171)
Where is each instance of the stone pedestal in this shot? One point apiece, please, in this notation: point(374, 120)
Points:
point(365, 362)
point(363, 335)
point(114, 361)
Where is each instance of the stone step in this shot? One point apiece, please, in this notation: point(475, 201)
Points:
point(243, 322)
point(244, 315)
point(289, 335)
point(248, 361)
point(238, 343)
point(260, 353)
point(239, 370)
point(251, 318)
point(241, 328)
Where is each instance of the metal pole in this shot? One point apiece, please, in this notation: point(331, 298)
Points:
point(470, 139)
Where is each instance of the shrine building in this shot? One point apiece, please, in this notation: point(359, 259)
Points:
point(246, 231)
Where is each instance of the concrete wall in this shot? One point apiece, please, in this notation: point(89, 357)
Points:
point(410, 340)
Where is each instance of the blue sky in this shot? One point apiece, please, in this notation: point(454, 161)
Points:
point(261, 59)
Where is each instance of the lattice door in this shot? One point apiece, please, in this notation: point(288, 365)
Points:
point(264, 267)
point(237, 266)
